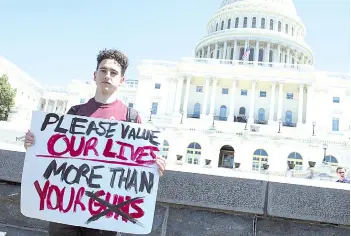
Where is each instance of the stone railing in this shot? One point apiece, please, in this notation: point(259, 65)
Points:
point(204, 201)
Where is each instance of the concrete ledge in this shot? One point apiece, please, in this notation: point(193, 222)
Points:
point(218, 190)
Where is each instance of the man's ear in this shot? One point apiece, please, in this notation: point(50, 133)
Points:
point(94, 75)
point(122, 79)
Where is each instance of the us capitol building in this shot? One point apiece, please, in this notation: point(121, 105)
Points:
point(249, 99)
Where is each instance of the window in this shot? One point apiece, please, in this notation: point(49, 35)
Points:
point(82, 100)
point(279, 26)
point(197, 110)
point(271, 25)
point(296, 159)
point(225, 91)
point(217, 27)
point(199, 89)
point(222, 26)
point(263, 94)
point(157, 86)
point(286, 28)
point(292, 31)
point(260, 157)
point(154, 108)
point(336, 124)
point(165, 149)
point(229, 23)
point(336, 99)
point(254, 22)
point(245, 22)
point(237, 22)
point(243, 92)
point(242, 111)
point(223, 113)
point(261, 114)
point(331, 160)
point(130, 105)
point(193, 154)
point(288, 117)
point(290, 96)
point(263, 23)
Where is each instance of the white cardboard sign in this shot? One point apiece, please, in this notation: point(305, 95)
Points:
point(93, 173)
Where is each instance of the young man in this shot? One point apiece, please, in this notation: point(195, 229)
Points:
point(109, 75)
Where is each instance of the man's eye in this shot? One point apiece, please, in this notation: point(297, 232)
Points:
point(103, 70)
point(114, 73)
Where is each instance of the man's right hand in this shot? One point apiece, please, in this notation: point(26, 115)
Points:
point(28, 140)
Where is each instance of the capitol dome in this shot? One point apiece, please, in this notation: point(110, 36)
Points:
point(270, 30)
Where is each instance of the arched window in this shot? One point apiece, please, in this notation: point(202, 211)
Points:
point(270, 56)
point(222, 26)
point(263, 23)
point(229, 23)
point(245, 22)
point(237, 22)
point(279, 26)
point(223, 113)
point(252, 54)
point(241, 53)
point(242, 111)
point(254, 22)
point(193, 154)
point(197, 108)
point(217, 27)
point(271, 24)
point(165, 149)
point(331, 160)
point(286, 28)
point(292, 31)
point(260, 55)
point(261, 114)
point(259, 158)
point(295, 158)
point(288, 117)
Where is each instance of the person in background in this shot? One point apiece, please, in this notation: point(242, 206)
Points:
point(109, 75)
point(340, 171)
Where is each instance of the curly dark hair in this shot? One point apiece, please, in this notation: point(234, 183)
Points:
point(115, 55)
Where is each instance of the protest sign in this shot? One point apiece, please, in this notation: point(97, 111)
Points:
point(93, 173)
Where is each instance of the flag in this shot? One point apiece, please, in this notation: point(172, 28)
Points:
point(246, 53)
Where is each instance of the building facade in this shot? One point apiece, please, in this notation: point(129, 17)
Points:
point(250, 95)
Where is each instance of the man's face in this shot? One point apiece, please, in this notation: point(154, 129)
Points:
point(341, 173)
point(108, 76)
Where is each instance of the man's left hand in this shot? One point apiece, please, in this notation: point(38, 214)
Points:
point(161, 164)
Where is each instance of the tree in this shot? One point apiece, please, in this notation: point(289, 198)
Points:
point(7, 97)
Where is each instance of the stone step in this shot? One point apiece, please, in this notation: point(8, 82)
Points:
point(14, 231)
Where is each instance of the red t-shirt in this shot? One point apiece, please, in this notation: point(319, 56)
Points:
point(112, 111)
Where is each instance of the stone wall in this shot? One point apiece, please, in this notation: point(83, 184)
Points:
point(201, 201)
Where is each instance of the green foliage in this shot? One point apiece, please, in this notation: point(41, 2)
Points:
point(7, 97)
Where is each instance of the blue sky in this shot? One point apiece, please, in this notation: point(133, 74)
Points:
point(57, 41)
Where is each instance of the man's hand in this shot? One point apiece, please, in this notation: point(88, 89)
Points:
point(28, 140)
point(161, 164)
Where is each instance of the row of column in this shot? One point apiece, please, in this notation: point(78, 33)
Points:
point(55, 105)
point(224, 53)
point(232, 99)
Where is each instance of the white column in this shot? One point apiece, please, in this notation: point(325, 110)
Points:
point(215, 51)
point(309, 105)
point(224, 56)
point(213, 96)
point(204, 105)
point(272, 105)
point(267, 53)
point(186, 98)
point(252, 103)
point(208, 51)
point(257, 49)
point(278, 58)
point(299, 118)
point(280, 100)
point(232, 102)
point(55, 105)
point(235, 50)
point(46, 105)
point(178, 95)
